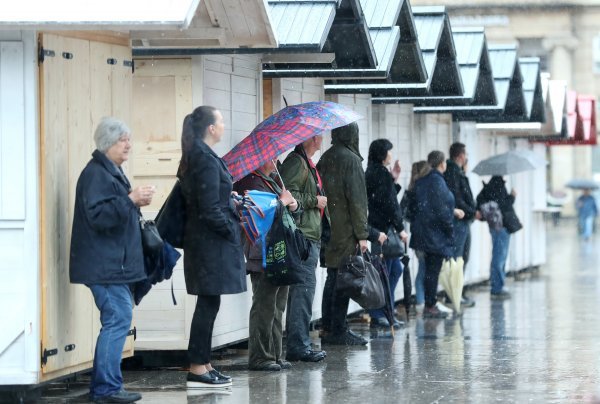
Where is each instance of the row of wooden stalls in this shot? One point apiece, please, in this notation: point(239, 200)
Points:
point(414, 78)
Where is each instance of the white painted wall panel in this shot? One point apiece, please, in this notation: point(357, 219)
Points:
point(12, 132)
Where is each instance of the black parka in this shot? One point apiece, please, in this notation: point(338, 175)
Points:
point(213, 259)
point(106, 244)
point(458, 183)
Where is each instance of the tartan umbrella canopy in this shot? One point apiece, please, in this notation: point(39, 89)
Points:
point(283, 131)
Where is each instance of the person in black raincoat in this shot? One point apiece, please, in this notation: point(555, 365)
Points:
point(432, 229)
point(384, 212)
point(213, 258)
point(106, 251)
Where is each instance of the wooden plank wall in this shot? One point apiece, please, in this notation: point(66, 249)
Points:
point(75, 94)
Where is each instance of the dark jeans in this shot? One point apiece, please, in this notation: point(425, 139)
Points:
point(299, 307)
point(500, 244)
point(433, 265)
point(394, 271)
point(201, 330)
point(461, 232)
point(334, 306)
point(266, 327)
point(115, 303)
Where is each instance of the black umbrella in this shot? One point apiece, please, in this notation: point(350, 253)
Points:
point(388, 309)
point(406, 280)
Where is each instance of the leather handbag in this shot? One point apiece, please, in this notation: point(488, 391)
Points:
point(152, 243)
point(359, 279)
point(393, 246)
point(170, 220)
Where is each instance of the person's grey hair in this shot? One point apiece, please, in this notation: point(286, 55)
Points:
point(108, 132)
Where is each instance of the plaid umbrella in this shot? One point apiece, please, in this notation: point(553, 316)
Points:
point(283, 131)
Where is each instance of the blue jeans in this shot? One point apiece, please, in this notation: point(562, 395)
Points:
point(299, 306)
point(586, 223)
point(461, 231)
point(394, 272)
point(420, 279)
point(500, 243)
point(115, 303)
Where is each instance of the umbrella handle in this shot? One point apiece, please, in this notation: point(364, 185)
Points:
point(278, 174)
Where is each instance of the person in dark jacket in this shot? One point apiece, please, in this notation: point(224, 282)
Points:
point(458, 183)
point(433, 227)
point(106, 251)
point(384, 213)
point(213, 260)
point(495, 191)
point(409, 211)
point(344, 182)
point(265, 350)
point(302, 179)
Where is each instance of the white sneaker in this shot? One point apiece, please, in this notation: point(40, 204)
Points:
point(419, 308)
point(443, 308)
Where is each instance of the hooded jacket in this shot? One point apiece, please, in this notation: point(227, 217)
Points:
point(344, 183)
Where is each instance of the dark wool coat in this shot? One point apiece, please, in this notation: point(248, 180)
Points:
point(382, 193)
point(432, 228)
point(106, 244)
point(458, 183)
point(344, 184)
point(213, 259)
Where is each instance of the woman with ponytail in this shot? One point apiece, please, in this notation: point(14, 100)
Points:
point(213, 255)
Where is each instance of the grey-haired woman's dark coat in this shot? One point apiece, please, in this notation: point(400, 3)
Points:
point(106, 243)
point(213, 258)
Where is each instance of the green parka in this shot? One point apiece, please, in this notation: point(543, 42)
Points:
point(344, 183)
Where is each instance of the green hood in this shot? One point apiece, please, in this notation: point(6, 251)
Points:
point(347, 136)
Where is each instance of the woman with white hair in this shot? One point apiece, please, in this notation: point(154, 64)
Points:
point(106, 252)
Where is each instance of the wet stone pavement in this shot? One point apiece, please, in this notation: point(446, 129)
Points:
point(541, 346)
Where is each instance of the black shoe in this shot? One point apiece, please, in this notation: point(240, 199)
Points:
point(206, 381)
point(467, 302)
point(219, 375)
point(284, 364)
point(122, 396)
point(502, 295)
point(380, 322)
point(433, 312)
point(347, 338)
point(307, 356)
point(266, 367)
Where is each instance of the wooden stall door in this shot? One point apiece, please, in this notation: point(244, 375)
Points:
point(81, 80)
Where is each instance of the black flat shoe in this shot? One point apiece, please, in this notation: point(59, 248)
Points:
point(266, 367)
point(206, 381)
point(284, 364)
point(122, 396)
point(219, 375)
point(307, 356)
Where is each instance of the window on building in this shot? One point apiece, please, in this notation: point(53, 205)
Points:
point(532, 47)
point(596, 54)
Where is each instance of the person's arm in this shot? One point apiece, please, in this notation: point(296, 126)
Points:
point(294, 174)
point(443, 212)
point(104, 207)
point(205, 177)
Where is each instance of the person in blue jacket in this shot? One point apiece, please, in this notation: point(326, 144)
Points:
point(432, 228)
point(106, 252)
point(587, 209)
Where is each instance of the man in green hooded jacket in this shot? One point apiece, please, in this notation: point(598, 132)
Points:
point(344, 181)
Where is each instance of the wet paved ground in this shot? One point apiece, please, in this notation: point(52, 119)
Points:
point(541, 346)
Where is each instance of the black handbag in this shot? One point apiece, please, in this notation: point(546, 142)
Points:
point(393, 247)
point(286, 249)
point(360, 280)
point(171, 217)
point(152, 243)
point(510, 221)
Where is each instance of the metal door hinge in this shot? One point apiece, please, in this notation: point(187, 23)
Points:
point(43, 53)
point(130, 63)
point(133, 332)
point(46, 353)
